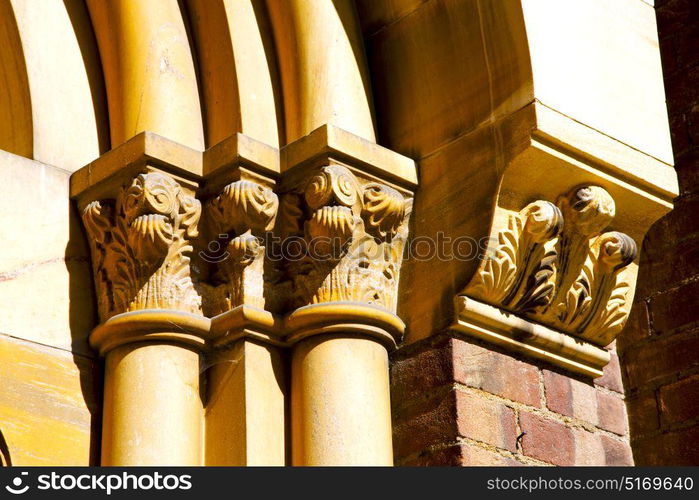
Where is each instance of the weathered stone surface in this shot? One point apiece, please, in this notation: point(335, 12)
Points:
point(44, 261)
point(49, 405)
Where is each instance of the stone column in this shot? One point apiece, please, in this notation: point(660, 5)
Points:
point(138, 207)
point(247, 387)
point(347, 203)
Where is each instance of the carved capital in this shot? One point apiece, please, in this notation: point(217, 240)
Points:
point(141, 216)
point(346, 206)
point(557, 266)
point(355, 231)
point(240, 217)
point(141, 246)
point(348, 201)
point(354, 224)
point(240, 211)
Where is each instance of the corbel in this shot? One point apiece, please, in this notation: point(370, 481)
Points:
point(557, 278)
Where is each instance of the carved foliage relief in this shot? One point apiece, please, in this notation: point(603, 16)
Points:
point(241, 215)
point(556, 265)
point(354, 232)
point(141, 246)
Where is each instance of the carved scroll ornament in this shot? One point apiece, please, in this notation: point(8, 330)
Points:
point(241, 214)
point(555, 265)
point(141, 246)
point(355, 232)
point(162, 273)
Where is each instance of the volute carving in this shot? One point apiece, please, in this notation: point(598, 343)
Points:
point(141, 245)
point(554, 264)
point(240, 216)
point(355, 232)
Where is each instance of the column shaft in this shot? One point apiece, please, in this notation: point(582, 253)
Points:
point(152, 406)
point(246, 409)
point(341, 412)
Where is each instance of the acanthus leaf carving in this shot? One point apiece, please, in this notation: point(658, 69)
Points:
point(240, 217)
point(355, 234)
point(140, 246)
point(518, 271)
point(615, 252)
point(554, 265)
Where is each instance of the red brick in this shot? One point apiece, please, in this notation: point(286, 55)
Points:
point(487, 421)
point(692, 120)
point(611, 378)
point(594, 448)
point(676, 308)
point(473, 455)
point(687, 45)
point(643, 413)
point(681, 89)
point(660, 243)
point(570, 397)
point(656, 276)
point(446, 457)
point(419, 373)
point(679, 402)
point(668, 55)
point(611, 413)
point(687, 173)
point(429, 423)
point(680, 134)
point(460, 455)
point(637, 328)
point(588, 448)
point(651, 362)
point(670, 255)
point(671, 448)
point(493, 372)
point(443, 420)
point(616, 452)
point(672, 15)
point(547, 440)
point(558, 393)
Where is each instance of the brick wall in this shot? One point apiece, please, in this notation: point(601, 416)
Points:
point(459, 403)
point(660, 347)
